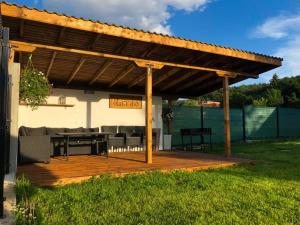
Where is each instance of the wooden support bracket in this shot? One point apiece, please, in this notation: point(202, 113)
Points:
point(23, 47)
point(145, 64)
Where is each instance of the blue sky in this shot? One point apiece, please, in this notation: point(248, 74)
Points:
point(265, 26)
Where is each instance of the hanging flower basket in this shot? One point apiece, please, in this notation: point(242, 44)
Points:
point(34, 86)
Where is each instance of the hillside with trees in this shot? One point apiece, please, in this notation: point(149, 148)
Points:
point(283, 92)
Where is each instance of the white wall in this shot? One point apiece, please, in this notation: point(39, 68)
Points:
point(90, 110)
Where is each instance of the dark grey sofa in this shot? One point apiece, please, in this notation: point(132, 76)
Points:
point(39, 144)
point(34, 145)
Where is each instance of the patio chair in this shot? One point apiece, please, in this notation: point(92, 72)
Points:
point(133, 136)
point(115, 139)
point(155, 136)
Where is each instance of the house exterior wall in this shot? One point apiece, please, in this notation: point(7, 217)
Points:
point(89, 110)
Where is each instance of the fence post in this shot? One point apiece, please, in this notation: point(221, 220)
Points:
point(277, 123)
point(244, 123)
point(202, 123)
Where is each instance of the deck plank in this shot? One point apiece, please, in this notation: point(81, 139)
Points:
point(80, 168)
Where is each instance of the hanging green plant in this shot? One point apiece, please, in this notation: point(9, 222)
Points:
point(34, 86)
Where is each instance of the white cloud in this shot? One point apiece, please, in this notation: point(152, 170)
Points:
point(150, 15)
point(278, 27)
point(285, 29)
point(290, 52)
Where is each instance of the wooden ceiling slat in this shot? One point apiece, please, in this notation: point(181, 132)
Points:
point(75, 71)
point(101, 70)
point(21, 28)
point(118, 77)
point(178, 80)
point(165, 76)
point(108, 63)
point(51, 64)
point(60, 35)
point(94, 41)
point(172, 71)
point(192, 83)
point(206, 87)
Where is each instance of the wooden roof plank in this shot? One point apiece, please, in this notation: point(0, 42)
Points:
point(118, 31)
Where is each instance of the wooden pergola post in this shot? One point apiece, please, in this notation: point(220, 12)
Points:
point(226, 117)
point(149, 114)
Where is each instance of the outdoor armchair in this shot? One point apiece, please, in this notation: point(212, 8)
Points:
point(133, 138)
point(115, 139)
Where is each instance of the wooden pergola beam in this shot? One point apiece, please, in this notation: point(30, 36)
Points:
point(127, 58)
point(123, 74)
point(77, 68)
point(51, 63)
point(118, 31)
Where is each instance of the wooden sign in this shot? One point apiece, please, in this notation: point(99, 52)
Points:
point(125, 102)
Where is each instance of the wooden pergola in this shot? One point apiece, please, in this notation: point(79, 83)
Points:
point(83, 54)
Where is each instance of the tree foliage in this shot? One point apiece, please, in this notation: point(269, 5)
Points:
point(278, 92)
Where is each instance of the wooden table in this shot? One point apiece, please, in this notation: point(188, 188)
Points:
point(95, 137)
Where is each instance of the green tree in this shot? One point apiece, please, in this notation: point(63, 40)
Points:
point(274, 82)
point(260, 102)
point(274, 97)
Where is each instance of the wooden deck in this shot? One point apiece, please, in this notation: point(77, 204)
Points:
point(79, 168)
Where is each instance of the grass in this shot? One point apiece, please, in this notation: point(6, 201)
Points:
point(267, 192)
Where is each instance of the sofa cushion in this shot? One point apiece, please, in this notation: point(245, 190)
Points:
point(75, 130)
point(128, 130)
point(95, 129)
point(54, 131)
point(39, 131)
point(112, 129)
point(22, 131)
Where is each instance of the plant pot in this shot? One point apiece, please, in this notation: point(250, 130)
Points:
point(167, 142)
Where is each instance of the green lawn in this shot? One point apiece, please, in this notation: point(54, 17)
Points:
point(267, 192)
